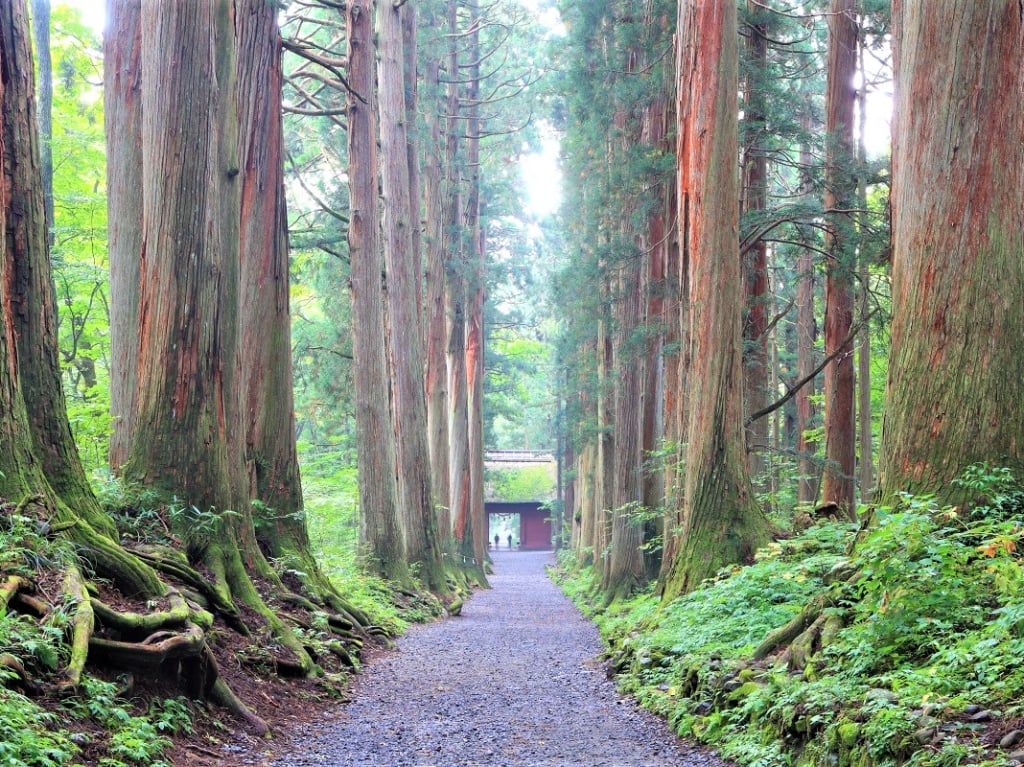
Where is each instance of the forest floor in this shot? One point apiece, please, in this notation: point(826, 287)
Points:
point(514, 681)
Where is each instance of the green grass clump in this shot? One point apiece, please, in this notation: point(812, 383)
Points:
point(932, 601)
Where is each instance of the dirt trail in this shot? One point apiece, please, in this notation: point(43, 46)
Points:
point(512, 682)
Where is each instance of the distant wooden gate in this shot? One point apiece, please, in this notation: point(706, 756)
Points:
point(534, 522)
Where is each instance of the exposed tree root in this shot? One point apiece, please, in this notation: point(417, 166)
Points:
point(128, 622)
point(796, 626)
point(24, 679)
point(83, 622)
point(814, 627)
point(223, 695)
point(153, 652)
point(175, 564)
point(11, 587)
point(170, 635)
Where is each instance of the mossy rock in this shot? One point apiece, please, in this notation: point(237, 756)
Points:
point(744, 691)
point(847, 734)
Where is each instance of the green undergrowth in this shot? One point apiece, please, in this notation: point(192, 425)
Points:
point(98, 724)
point(332, 512)
point(103, 723)
point(923, 666)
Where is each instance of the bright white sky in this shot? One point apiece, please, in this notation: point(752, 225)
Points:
point(542, 176)
point(93, 11)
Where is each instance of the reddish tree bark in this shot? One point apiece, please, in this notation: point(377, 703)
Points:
point(422, 543)
point(956, 374)
point(266, 363)
point(840, 192)
point(380, 527)
point(721, 522)
point(436, 376)
point(122, 105)
point(755, 261)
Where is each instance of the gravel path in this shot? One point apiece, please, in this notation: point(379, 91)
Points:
point(512, 682)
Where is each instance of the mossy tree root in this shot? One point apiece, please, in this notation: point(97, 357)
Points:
point(21, 677)
point(174, 564)
point(11, 587)
point(785, 634)
point(83, 621)
point(805, 636)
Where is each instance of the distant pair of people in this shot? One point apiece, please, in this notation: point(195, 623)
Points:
point(497, 540)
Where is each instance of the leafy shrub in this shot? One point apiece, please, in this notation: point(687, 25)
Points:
point(934, 616)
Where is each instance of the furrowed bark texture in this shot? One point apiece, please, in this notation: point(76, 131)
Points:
point(755, 262)
point(721, 521)
point(625, 569)
point(122, 107)
point(840, 193)
point(956, 374)
point(476, 263)
point(422, 542)
point(41, 36)
point(436, 377)
point(39, 465)
point(21, 473)
point(806, 335)
point(265, 321)
point(29, 285)
point(187, 411)
point(380, 526)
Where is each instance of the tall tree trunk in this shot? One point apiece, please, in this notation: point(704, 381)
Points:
point(266, 383)
point(265, 320)
point(865, 463)
point(380, 523)
point(806, 336)
point(122, 106)
point(189, 317)
point(436, 377)
point(755, 260)
point(39, 464)
point(840, 192)
point(188, 440)
point(604, 465)
point(41, 35)
point(29, 291)
point(37, 453)
point(412, 153)
point(625, 569)
point(422, 542)
point(956, 374)
point(721, 521)
point(475, 270)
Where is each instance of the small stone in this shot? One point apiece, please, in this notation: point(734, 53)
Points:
point(926, 721)
point(1011, 739)
point(973, 708)
point(925, 735)
point(880, 693)
point(703, 708)
point(1016, 756)
point(980, 716)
